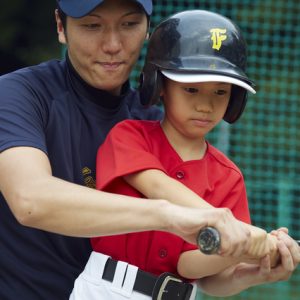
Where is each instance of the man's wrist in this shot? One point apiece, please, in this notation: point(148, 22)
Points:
point(163, 210)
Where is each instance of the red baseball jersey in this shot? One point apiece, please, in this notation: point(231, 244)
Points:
point(133, 146)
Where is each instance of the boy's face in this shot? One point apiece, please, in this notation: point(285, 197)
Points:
point(193, 109)
point(104, 45)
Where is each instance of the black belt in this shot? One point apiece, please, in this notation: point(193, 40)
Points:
point(164, 287)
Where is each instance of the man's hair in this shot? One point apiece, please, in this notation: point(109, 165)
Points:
point(62, 16)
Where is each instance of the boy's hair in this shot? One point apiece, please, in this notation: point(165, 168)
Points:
point(197, 46)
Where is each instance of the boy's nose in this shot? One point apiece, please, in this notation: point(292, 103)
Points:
point(203, 105)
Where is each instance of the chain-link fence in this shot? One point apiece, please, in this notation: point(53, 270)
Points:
point(265, 142)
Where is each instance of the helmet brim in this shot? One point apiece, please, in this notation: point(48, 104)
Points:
point(185, 77)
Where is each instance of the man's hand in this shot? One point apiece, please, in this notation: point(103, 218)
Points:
point(289, 252)
point(187, 222)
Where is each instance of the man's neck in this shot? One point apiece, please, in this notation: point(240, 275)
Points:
point(100, 97)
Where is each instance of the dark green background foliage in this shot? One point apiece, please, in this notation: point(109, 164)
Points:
point(264, 143)
point(28, 33)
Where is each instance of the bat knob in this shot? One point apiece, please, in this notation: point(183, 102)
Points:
point(209, 240)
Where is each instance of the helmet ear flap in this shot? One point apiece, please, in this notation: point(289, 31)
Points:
point(150, 85)
point(236, 104)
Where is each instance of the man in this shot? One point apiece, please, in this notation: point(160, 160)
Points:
point(53, 117)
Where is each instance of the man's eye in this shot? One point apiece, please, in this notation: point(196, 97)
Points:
point(130, 23)
point(92, 26)
point(191, 90)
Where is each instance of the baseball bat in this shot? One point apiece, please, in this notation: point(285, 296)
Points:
point(209, 240)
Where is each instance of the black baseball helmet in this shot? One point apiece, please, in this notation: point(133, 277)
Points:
point(197, 46)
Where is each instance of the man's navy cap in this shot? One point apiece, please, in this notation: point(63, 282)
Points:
point(80, 8)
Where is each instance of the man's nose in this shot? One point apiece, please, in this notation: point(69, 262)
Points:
point(111, 41)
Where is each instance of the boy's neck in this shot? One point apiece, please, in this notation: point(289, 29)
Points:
point(187, 148)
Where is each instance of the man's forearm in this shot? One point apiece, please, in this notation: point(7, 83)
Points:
point(58, 206)
point(39, 200)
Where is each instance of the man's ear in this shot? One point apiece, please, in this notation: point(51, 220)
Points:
point(60, 29)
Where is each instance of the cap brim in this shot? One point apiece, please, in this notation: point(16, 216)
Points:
point(193, 78)
point(147, 6)
point(79, 9)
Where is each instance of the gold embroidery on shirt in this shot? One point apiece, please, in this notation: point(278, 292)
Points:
point(89, 181)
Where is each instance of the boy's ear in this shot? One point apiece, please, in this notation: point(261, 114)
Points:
point(60, 29)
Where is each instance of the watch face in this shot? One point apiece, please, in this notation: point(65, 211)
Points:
point(208, 240)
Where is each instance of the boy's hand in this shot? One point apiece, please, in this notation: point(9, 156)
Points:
point(259, 246)
point(273, 250)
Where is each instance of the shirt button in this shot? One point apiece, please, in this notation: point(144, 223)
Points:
point(180, 174)
point(163, 253)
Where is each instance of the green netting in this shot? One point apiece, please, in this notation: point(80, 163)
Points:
point(265, 142)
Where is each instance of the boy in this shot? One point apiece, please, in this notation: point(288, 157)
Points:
point(195, 63)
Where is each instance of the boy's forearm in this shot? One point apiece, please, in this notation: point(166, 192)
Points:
point(223, 284)
point(194, 264)
point(155, 184)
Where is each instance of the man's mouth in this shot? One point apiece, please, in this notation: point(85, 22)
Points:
point(111, 65)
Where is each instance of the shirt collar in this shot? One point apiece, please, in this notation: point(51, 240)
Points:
point(99, 97)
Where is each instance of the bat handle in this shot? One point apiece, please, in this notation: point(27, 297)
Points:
point(209, 240)
point(298, 242)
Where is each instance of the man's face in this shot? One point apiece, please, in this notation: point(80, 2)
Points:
point(104, 45)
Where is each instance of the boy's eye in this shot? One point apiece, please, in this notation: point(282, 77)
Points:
point(220, 92)
point(191, 90)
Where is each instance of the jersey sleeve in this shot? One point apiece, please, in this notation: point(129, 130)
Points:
point(22, 115)
point(227, 185)
point(126, 150)
point(236, 198)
